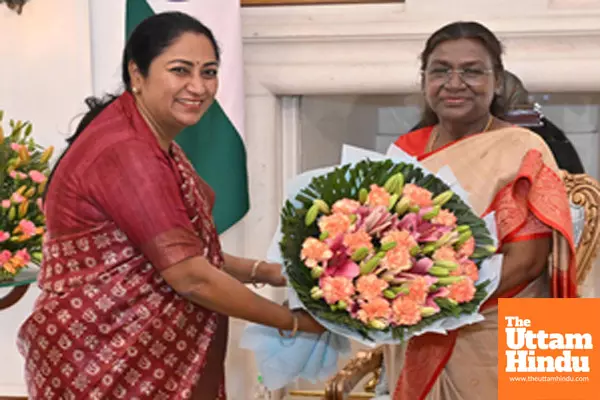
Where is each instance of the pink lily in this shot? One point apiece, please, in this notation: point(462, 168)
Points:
point(340, 264)
point(430, 307)
point(378, 221)
point(422, 266)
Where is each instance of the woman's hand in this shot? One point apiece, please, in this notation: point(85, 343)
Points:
point(201, 283)
point(270, 273)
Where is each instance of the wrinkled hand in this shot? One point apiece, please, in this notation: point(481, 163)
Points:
point(270, 273)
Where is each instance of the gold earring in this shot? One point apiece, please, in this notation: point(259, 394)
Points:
point(135, 90)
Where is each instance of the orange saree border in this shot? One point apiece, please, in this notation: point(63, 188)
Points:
point(545, 196)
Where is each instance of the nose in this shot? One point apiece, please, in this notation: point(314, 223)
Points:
point(454, 80)
point(197, 86)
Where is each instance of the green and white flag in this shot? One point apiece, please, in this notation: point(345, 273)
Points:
point(215, 145)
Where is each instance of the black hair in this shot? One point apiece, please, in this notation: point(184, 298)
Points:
point(465, 30)
point(147, 41)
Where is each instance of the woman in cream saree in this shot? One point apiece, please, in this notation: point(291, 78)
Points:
point(511, 172)
point(506, 170)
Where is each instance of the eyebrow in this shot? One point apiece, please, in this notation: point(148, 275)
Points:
point(463, 64)
point(191, 64)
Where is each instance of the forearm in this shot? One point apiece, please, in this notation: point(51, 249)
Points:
point(210, 287)
point(514, 273)
point(238, 267)
point(228, 296)
point(522, 263)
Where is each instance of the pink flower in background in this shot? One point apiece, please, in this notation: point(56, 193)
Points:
point(27, 227)
point(334, 224)
point(467, 249)
point(378, 196)
point(21, 258)
point(17, 198)
point(405, 311)
point(5, 203)
point(445, 253)
point(345, 206)
point(17, 175)
point(4, 236)
point(417, 195)
point(356, 240)
point(397, 260)
point(370, 286)
point(37, 176)
point(402, 238)
point(5, 256)
point(445, 218)
point(39, 203)
point(336, 289)
point(15, 146)
point(374, 308)
point(314, 251)
point(462, 291)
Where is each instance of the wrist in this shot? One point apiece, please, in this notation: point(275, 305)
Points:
point(257, 273)
point(294, 327)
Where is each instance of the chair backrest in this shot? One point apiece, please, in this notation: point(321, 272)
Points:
point(584, 191)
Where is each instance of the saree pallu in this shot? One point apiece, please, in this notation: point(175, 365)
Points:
point(107, 325)
point(512, 172)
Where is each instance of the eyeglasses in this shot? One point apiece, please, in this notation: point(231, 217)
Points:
point(472, 76)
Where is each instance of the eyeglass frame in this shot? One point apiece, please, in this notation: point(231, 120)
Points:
point(460, 71)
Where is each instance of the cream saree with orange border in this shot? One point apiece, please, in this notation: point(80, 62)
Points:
point(512, 172)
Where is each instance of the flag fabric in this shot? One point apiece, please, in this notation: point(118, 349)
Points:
point(215, 144)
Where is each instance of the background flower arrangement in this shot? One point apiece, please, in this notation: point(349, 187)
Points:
point(24, 169)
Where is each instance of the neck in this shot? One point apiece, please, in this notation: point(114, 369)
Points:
point(162, 134)
point(454, 131)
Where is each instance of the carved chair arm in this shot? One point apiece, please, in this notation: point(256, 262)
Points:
point(360, 366)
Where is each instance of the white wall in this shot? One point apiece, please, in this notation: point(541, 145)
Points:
point(45, 76)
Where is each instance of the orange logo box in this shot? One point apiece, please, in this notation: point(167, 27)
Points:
point(548, 349)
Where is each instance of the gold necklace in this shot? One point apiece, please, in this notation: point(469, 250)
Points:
point(435, 134)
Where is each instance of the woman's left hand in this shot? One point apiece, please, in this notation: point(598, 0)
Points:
point(270, 273)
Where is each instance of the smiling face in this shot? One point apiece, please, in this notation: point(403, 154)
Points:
point(180, 85)
point(459, 81)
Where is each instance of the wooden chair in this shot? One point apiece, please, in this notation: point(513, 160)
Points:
point(583, 191)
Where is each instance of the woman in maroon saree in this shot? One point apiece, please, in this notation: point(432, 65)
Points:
point(136, 291)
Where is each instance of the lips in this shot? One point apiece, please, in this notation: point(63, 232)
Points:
point(454, 101)
point(189, 105)
point(190, 102)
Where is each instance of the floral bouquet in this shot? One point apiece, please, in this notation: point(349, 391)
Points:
point(384, 246)
point(23, 175)
point(377, 250)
